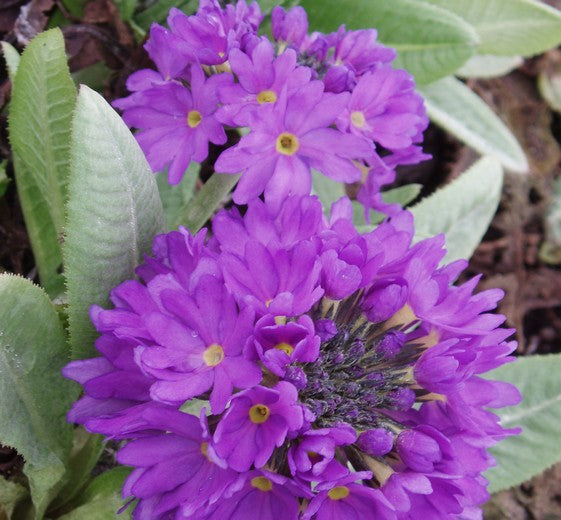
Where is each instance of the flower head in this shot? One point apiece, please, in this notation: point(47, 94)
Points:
point(325, 403)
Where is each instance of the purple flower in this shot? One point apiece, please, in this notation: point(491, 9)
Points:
point(271, 495)
point(199, 346)
point(310, 377)
point(286, 140)
point(278, 345)
point(261, 78)
point(257, 420)
point(343, 498)
point(385, 108)
point(289, 28)
point(176, 123)
point(313, 458)
point(176, 468)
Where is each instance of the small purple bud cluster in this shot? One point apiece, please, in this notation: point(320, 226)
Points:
point(342, 371)
point(330, 102)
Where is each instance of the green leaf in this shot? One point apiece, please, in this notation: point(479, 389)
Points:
point(454, 107)
point(114, 212)
point(175, 199)
point(521, 457)
point(126, 8)
point(102, 498)
point(550, 250)
point(95, 76)
point(431, 42)
point(35, 396)
point(462, 210)
point(327, 190)
point(158, 12)
point(11, 494)
point(86, 450)
point(207, 200)
point(489, 66)
point(12, 57)
point(4, 179)
point(43, 97)
point(509, 27)
point(549, 85)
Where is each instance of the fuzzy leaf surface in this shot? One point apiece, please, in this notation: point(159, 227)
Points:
point(509, 27)
point(114, 212)
point(43, 97)
point(35, 396)
point(537, 448)
point(462, 210)
point(431, 42)
point(454, 107)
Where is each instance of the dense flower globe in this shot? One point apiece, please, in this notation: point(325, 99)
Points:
point(291, 368)
point(328, 102)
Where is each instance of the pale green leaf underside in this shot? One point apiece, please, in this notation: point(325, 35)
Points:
point(35, 396)
point(114, 212)
point(549, 86)
point(462, 210)
point(489, 66)
point(43, 98)
point(454, 107)
point(539, 414)
point(327, 190)
point(12, 57)
point(509, 27)
point(431, 42)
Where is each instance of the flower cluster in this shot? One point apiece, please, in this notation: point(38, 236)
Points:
point(330, 102)
point(342, 371)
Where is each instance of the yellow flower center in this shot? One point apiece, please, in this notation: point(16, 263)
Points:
point(194, 118)
point(266, 96)
point(213, 355)
point(285, 347)
point(338, 493)
point(259, 413)
point(262, 483)
point(287, 143)
point(358, 119)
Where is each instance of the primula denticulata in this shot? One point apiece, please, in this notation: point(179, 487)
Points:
point(338, 373)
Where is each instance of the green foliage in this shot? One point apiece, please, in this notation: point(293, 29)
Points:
point(4, 180)
point(12, 57)
point(95, 76)
point(43, 98)
point(35, 397)
point(550, 250)
point(114, 212)
point(549, 85)
point(86, 450)
point(431, 42)
point(207, 200)
point(158, 12)
point(462, 210)
point(176, 198)
point(454, 107)
point(11, 494)
point(521, 457)
point(327, 190)
point(509, 27)
point(489, 66)
point(102, 498)
point(126, 8)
